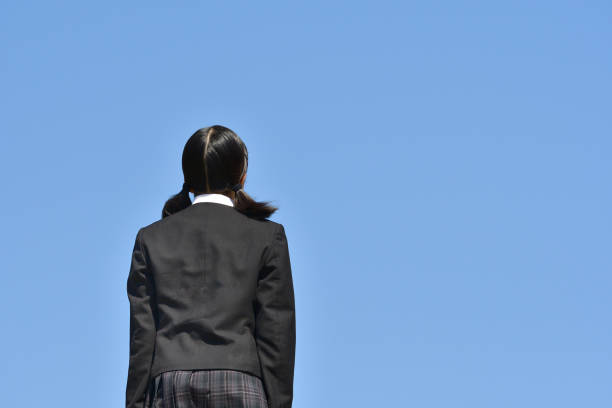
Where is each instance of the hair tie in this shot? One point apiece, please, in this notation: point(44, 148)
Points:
point(185, 188)
point(236, 187)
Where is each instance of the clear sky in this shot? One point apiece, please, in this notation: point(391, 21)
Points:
point(442, 171)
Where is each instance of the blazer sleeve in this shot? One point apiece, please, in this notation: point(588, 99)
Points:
point(275, 322)
point(140, 291)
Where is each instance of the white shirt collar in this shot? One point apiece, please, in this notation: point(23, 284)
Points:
point(214, 198)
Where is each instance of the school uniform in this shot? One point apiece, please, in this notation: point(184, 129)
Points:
point(212, 311)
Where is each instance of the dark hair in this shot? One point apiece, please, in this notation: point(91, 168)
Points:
point(214, 160)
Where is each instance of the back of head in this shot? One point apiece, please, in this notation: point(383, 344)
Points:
point(214, 160)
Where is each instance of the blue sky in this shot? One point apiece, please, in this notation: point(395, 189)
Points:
point(442, 171)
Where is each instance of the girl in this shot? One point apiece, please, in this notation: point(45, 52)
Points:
point(212, 308)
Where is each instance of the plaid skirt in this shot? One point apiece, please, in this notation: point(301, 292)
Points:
point(206, 388)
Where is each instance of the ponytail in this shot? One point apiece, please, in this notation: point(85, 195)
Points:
point(177, 202)
point(254, 209)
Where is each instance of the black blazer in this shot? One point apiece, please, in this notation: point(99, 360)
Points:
point(210, 288)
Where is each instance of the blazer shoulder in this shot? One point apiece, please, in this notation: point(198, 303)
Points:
point(161, 222)
point(266, 223)
point(270, 231)
point(273, 226)
point(148, 227)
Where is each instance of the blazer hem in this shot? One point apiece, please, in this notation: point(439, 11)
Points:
point(172, 367)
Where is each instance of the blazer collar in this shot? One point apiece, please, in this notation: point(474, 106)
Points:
point(214, 198)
